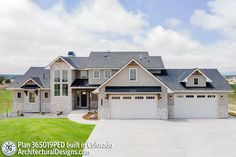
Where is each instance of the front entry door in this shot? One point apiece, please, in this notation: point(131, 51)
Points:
point(83, 99)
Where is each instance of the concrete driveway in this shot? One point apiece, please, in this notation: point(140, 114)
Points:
point(173, 138)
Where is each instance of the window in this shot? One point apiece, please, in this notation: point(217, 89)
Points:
point(96, 74)
point(46, 95)
point(115, 97)
point(211, 96)
point(31, 97)
point(127, 97)
point(83, 74)
point(57, 76)
point(150, 97)
point(133, 74)
point(189, 96)
point(64, 75)
point(19, 95)
point(201, 96)
point(107, 74)
point(139, 97)
point(179, 96)
point(195, 81)
point(64, 89)
point(57, 89)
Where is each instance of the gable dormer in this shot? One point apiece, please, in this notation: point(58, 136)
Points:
point(195, 78)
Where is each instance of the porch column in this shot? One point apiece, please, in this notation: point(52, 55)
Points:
point(89, 104)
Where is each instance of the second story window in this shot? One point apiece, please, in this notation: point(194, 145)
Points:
point(57, 76)
point(195, 81)
point(107, 74)
point(132, 74)
point(96, 74)
point(83, 74)
point(64, 75)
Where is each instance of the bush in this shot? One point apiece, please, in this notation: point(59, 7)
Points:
point(7, 81)
point(2, 78)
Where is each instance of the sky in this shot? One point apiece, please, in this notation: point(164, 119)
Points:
point(186, 33)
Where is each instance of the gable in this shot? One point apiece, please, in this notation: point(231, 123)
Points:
point(60, 61)
point(30, 82)
point(197, 73)
point(145, 79)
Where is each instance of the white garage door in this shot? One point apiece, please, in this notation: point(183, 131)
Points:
point(133, 106)
point(196, 106)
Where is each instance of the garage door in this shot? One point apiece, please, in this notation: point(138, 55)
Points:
point(133, 106)
point(196, 106)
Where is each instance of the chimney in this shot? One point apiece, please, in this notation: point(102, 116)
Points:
point(71, 54)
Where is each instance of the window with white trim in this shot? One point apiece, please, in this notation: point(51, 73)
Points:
point(195, 81)
point(64, 75)
point(32, 97)
point(57, 89)
point(57, 76)
point(64, 89)
point(133, 74)
point(107, 74)
point(96, 74)
point(83, 74)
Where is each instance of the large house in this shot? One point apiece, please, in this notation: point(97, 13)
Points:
point(121, 85)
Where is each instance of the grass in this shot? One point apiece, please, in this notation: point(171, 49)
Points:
point(43, 129)
point(5, 95)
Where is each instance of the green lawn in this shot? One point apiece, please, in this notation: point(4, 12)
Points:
point(5, 95)
point(43, 129)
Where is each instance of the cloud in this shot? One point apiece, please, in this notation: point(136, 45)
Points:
point(221, 17)
point(173, 22)
point(31, 36)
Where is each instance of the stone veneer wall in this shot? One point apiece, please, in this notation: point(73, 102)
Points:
point(223, 105)
point(23, 105)
point(171, 98)
point(61, 103)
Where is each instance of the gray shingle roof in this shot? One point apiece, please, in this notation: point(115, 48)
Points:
point(114, 60)
point(77, 62)
point(171, 79)
point(38, 74)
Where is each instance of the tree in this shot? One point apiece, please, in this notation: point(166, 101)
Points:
point(2, 78)
point(7, 81)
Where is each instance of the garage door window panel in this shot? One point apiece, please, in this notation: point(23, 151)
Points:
point(201, 96)
point(127, 97)
point(139, 97)
point(189, 96)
